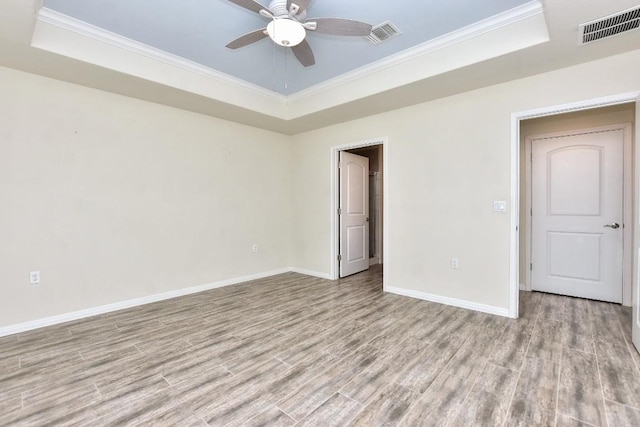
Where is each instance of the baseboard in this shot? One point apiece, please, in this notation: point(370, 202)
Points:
point(484, 308)
point(310, 273)
point(523, 287)
point(81, 314)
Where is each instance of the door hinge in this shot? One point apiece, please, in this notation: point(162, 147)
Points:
point(531, 212)
point(531, 267)
point(339, 211)
point(339, 257)
point(339, 165)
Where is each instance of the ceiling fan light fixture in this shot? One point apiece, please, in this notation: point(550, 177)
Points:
point(286, 32)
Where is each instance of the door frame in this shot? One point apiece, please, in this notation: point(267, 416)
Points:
point(627, 214)
point(335, 194)
point(514, 238)
point(627, 201)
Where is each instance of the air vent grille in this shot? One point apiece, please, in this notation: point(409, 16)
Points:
point(382, 32)
point(610, 26)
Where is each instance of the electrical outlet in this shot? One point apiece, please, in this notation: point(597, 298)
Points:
point(254, 248)
point(34, 277)
point(454, 263)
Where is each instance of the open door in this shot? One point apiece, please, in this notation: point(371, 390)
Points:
point(354, 214)
point(636, 237)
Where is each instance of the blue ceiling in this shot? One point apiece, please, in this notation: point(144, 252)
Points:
point(198, 30)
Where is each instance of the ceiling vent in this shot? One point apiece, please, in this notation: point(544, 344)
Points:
point(382, 32)
point(609, 26)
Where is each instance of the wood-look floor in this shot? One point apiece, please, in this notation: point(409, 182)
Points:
point(294, 350)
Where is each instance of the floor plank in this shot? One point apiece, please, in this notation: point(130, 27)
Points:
point(337, 411)
point(580, 394)
point(621, 415)
point(618, 374)
point(534, 402)
point(489, 400)
point(388, 408)
point(440, 403)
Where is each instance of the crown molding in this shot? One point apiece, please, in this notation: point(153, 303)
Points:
point(88, 30)
point(504, 34)
point(492, 23)
point(85, 29)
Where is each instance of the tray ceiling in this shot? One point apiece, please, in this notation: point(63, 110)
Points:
point(198, 30)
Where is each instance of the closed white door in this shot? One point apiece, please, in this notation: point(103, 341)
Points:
point(354, 213)
point(635, 327)
point(577, 212)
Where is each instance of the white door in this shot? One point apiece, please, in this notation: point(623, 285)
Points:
point(636, 240)
point(354, 213)
point(577, 204)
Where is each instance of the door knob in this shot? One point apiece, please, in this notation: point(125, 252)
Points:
point(615, 225)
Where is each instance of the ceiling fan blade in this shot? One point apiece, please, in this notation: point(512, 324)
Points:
point(304, 54)
point(341, 27)
point(247, 39)
point(252, 5)
point(303, 4)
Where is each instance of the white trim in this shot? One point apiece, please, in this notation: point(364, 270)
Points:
point(311, 273)
point(476, 29)
point(469, 305)
point(523, 287)
point(515, 176)
point(635, 317)
point(384, 260)
point(514, 219)
point(335, 192)
point(629, 163)
point(85, 29)
point(605, 101)
point(81, 314)
point(528, 207)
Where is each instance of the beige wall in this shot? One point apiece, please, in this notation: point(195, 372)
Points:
point(560, 123)
point(448, 160)
point(113, 198)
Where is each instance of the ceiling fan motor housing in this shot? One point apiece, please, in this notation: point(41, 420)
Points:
point(279, 9)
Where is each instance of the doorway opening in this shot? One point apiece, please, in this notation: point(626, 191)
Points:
point(530, 127)
point(375, 195)
point(364, 236)
point(576, 217)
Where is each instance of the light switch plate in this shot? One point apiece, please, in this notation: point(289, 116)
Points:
point(499, 206)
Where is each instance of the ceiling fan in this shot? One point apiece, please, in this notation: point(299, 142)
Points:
point(289, 26)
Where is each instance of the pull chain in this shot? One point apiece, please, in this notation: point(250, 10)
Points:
point(275, 84)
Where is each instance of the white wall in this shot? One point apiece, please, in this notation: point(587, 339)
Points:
point(113, 198)
point(447, 161)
